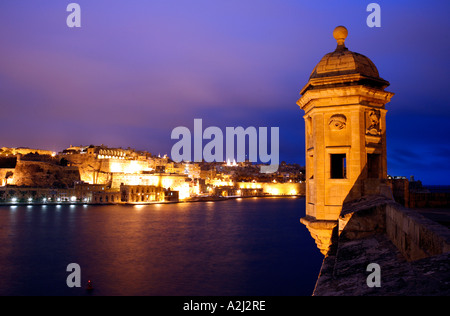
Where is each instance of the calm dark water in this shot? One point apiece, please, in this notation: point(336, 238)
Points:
point(236, 247)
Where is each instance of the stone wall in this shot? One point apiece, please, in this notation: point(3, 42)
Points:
point(429, 199)
point(42, 174)
point(414, 235)
point(92, 170)
point(412, 251)
point(400, 190)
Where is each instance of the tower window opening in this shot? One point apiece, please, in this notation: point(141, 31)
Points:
point(373, 166)
point(338, 166)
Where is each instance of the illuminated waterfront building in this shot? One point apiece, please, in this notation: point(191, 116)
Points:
point(141, 193)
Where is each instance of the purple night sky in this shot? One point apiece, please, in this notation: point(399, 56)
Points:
point(137, 69)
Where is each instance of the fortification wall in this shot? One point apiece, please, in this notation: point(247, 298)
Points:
point(412, 252)
point(42, 174)
point(429, 199)
point(92, 170)
point(415, 236)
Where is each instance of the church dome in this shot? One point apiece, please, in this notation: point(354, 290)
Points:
point(343, 61)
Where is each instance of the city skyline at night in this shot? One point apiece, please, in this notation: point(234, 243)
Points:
point(136, 70)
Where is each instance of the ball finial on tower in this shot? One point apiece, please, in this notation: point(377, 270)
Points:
point(340, 34)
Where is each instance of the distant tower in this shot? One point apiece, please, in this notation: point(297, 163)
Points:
point(345, 130)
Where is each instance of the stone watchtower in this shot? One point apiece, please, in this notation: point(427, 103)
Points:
point(345, 130)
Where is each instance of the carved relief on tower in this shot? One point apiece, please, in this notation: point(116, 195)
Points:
point(337, 122)
point(373, 123)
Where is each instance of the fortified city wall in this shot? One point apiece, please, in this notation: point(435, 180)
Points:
point(44, 174)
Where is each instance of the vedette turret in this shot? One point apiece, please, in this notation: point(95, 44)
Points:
point(345, 136)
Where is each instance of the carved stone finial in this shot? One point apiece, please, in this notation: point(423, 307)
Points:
point(340, 34)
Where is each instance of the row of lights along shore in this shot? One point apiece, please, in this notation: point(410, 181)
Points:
point(72, 200)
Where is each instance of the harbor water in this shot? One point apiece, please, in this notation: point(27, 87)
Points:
point(248, 247)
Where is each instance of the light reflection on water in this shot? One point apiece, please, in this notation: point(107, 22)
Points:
point(246, 247)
